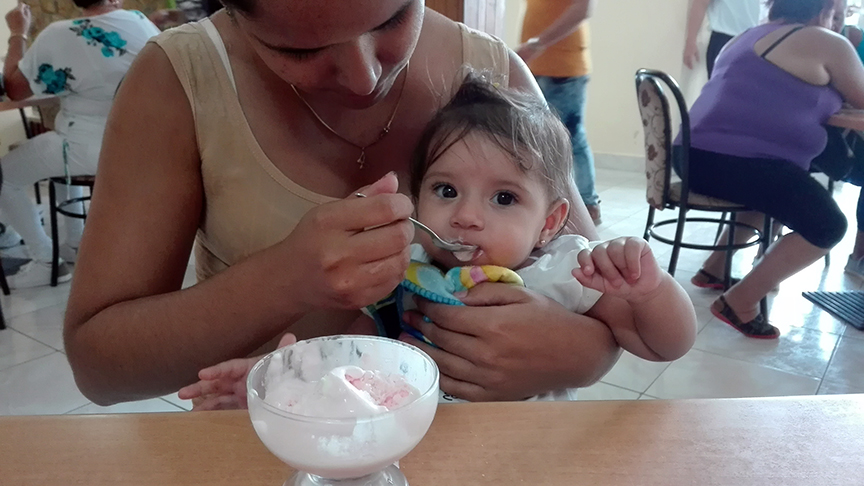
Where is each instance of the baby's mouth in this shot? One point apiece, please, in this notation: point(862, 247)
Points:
point(467, 256)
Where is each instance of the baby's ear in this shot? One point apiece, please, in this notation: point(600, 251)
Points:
point(558, 212)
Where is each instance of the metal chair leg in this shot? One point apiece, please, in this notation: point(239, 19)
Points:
point(676, 246)
point(647, 235)
point(55, 246)
point(720, 227)
point(767, 238)
point(3, 283)
point(38, 192)
point(730, 253)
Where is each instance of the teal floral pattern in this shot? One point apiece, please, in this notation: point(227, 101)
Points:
point(55, 80)
point(111, 42)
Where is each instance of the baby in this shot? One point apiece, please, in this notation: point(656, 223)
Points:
point(493, 170)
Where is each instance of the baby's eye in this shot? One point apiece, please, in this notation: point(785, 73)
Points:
point(445, 191)
point(505, 198)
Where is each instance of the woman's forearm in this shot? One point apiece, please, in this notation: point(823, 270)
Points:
point(154, 345)
point(695, 17)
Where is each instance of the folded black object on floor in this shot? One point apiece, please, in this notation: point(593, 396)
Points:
point(846, 306)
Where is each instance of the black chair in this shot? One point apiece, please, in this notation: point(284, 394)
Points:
point(3, 283)
point(67, 208)
point(663, 193)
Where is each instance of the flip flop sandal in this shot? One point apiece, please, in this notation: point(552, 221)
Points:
point(711, 282)
point(757, 328)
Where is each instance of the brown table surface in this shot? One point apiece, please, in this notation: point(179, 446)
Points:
point(816, 440)
point(848, 118)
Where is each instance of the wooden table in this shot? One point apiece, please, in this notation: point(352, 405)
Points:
point(776, 441)
point(848, 118)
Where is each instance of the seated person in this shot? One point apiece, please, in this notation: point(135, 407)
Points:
point(262, 146)
point(81, 61)
point(855, 263)
point(186, 11)
point(493, 170)
point(754, 131)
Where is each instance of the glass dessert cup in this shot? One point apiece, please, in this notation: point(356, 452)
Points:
point(343, 451)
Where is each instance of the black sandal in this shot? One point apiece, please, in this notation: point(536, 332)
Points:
point(711, 282)
point(757, 328)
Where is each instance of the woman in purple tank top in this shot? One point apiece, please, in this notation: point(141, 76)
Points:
point(754, 131)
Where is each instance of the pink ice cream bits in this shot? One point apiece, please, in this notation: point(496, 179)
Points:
point(343, 409)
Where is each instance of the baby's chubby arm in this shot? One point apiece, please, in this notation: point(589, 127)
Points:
point(647, 311)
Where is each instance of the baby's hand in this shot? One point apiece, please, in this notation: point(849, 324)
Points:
point(223, 386)
point(624, 267)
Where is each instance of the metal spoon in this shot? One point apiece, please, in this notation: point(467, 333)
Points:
point(436, 240)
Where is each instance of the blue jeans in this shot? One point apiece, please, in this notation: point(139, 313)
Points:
point(567, 97)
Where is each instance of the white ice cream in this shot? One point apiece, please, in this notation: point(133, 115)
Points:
point(345, 410)
point(344, 392)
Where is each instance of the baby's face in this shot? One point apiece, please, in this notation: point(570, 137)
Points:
point(475, 194)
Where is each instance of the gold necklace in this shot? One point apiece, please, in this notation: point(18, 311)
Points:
point(362, 159)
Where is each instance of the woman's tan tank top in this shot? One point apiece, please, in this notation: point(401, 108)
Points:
point(249, 204)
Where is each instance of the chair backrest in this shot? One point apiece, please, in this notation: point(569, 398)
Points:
point(657, 125)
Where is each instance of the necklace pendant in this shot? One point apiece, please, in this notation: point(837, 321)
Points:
point(362, 159)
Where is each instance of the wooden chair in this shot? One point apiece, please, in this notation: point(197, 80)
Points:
point(663, 193)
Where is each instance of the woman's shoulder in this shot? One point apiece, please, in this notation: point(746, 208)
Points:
point(453, 45)
point(819, 36)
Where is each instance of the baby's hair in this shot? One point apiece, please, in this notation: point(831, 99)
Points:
point(522, 125)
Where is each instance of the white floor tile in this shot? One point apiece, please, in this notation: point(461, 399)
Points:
point(23, 301)
point(647, 397)
point(43, 386)
point(604, 391)
point(155, 405)
point(633, 373)
point(852, 333)
point(846, 372)
point(703, 317)
point(788, 309)
point(703, 375)
point(16, 348)
point(44, 325)
point(798, 350)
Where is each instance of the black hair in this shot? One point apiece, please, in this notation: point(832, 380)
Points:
point(797, 11)
point(86, 3)
point(245, 6)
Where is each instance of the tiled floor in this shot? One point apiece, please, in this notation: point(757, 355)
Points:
point(815, 354)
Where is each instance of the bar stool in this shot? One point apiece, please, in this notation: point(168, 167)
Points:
point(65, 208)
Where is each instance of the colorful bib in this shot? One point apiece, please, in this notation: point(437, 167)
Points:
point(430, 283)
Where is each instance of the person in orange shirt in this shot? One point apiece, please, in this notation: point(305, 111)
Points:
point(555, 46)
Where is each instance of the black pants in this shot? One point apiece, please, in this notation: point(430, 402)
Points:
point(715, 45)
point(777, 188)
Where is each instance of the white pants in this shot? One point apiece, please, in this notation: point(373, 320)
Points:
point(36, 159)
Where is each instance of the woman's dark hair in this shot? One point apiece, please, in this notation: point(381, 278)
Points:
point(522, 125)
point(245, 6)
point(797, 11)
point(86, 3)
